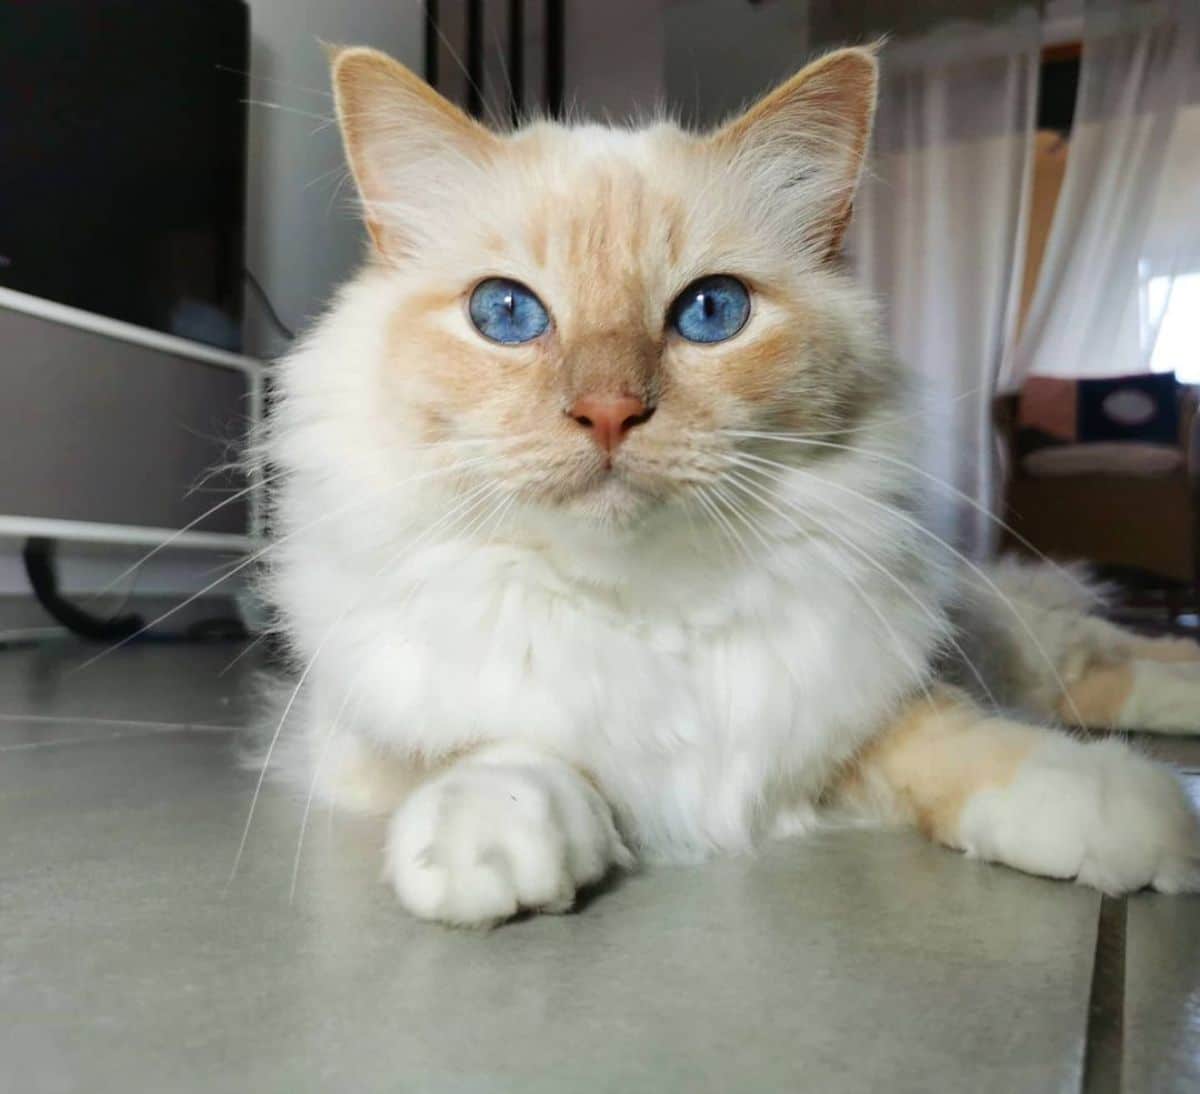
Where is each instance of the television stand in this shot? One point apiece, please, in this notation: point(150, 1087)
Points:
point(114, 434)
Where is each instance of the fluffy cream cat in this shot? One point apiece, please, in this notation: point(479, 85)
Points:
point(599, 536)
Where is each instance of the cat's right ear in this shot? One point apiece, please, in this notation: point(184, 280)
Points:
point(403, 141)
point(803, 145)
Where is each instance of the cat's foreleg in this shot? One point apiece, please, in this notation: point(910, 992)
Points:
point(1151, 685)
point(504, 829)
point(1030, 797)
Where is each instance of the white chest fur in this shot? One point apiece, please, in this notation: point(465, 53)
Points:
point(701, 697)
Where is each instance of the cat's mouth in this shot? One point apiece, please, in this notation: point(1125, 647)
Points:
point(610, 496)
point(605, 475)
point(614, 489)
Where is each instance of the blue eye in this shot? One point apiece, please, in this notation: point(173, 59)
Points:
point(505, 311)
point(711, 309)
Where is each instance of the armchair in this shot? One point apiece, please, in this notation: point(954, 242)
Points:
point(1116, 504)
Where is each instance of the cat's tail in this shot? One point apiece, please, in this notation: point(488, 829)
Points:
point(1037, 636)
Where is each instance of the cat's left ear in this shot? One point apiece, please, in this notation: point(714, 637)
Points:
point(407, 146)
point(805, 142)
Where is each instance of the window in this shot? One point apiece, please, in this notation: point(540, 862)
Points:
point(1177, 349)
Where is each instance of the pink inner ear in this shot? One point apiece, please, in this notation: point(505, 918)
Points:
point(400, 135)
point(815, 129)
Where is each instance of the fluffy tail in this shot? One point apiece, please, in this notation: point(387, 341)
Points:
point(1036, 642)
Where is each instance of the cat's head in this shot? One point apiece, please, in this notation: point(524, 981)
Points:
point(596, 318)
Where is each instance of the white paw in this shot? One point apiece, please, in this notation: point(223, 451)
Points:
point(1165, 697)
point(493, 835)
point(1098, 813)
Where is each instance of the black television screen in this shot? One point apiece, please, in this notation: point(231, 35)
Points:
point(122, 159)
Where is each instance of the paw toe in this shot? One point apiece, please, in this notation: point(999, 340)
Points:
point(486, 841)
point(1179, 874)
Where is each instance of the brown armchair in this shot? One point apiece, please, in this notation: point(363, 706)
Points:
point(1126, 515)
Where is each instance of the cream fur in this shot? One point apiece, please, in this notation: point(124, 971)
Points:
point(1094, 812)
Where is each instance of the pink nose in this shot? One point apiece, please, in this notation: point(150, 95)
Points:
point(609, 418)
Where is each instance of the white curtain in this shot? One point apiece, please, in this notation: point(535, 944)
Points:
point(939, 234)
point(1169, 263)
point(1127, 222)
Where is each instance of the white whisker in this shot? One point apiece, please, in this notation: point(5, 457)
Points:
point(307, 671)
point(928, 476)
point(919, 672)
point(907, 590)
point(918, 527)
point(339, 511)
point(267, 105)
point(312, 786)
point(737, 544)
point(182, 531)
point(248, 648)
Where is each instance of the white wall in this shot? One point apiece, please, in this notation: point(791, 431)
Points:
point(719, 56)
point(613, 58)
point(302, 233)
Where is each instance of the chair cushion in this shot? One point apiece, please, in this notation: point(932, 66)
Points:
point(1103, 458)
point(1141, 409)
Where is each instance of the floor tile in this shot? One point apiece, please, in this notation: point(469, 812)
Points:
point(1162, 995)
point(854, 961)
point(20, 733)
point(140, 682)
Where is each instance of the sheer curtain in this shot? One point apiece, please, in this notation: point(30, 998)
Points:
point(1127, 222)
point(939, 234)
point(1169, 263)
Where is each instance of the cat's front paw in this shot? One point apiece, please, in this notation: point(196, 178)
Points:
point(1098, 813)
point(498, 834)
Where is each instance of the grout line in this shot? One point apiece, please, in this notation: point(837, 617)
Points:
point(79, 719)
point(140, 730)
point(133, 729)
point(1104, 1048)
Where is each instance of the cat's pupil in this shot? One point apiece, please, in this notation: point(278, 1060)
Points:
point(711, 309)
point(510, 303)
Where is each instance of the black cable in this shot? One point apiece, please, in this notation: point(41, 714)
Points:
point(41, 568)
point(268, 307)
point(43, 577)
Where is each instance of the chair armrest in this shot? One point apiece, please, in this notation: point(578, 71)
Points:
point(1189, 429)
point(1004, 417)
point(1192, 447)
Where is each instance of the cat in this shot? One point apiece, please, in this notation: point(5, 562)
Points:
point(599, 537)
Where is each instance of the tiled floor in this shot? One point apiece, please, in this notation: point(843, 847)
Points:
point(857, 961)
